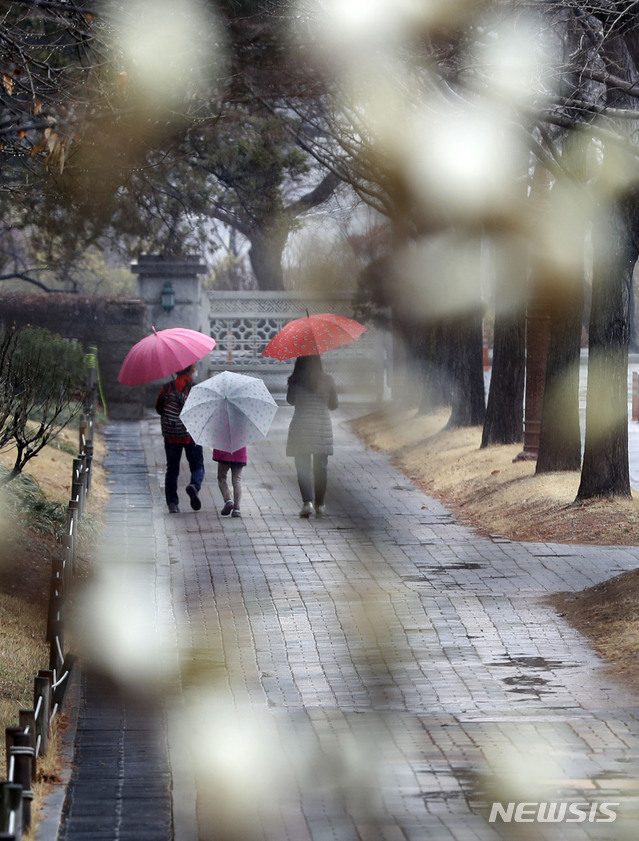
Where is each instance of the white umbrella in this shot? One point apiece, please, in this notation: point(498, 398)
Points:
point(228, 411)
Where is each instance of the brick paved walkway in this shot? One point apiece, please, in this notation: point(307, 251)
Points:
point(401, 664)
point(110, 794)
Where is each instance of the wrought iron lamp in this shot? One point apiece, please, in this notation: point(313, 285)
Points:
point(168, 296)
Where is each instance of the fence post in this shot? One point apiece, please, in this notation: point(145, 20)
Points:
point(83, 479)
point(42, 708)
point(22, 754)
point(66, 567)
point(73, 518)
point(88, 452)
point(10, 801)
point(56, 595)
point(63, 681)
point(635, 396)
point(83, 433)
point(10, 734)
point(56, 648)
point(27, 722)
point(77, 490)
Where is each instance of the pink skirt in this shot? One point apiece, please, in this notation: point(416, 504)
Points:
point(238, 456)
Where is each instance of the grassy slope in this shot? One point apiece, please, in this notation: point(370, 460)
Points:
point(25, 572)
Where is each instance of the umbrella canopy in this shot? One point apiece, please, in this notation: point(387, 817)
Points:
point(228, 411)
point(163, 353)
point(312, 335)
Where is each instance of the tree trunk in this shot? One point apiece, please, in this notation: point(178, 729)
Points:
point(504, 421)
point(605, 470)
point(437, 392)
point(469, 400)
point(435, 375)
point(426, 346)
point(634, 339)
point(560, 436)
point(268, 237)
point(265, 254)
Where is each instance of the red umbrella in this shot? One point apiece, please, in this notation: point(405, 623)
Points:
point(312, 335)
point(163, 353)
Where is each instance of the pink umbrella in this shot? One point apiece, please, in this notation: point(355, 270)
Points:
point(312, 335)
point(163, 353)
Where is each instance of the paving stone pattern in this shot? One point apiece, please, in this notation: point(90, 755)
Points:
point(111, 794)
point(410, 663)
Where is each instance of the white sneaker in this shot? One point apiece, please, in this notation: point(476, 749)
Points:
point(307, 509)
point(320, 511)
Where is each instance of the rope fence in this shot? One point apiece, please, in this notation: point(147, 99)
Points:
point(29, 740)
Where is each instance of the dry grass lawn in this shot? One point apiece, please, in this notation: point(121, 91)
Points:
point(25, 572)
point(497, 496)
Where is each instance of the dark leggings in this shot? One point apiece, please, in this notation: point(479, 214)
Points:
point(312, 476)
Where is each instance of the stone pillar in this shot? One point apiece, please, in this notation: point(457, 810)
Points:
point(155, 272)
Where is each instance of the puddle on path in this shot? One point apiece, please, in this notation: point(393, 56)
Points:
point(525, 683)
point(531, 662)
point(440, 570)
point(428, 572)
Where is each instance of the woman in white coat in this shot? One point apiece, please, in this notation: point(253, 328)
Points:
point(310, 434)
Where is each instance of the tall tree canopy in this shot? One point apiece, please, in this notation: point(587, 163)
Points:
point(138, 141)
point(437, 115)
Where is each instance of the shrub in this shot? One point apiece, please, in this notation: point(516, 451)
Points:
point(42, 387)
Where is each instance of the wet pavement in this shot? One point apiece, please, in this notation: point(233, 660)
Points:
point(110, 793)
point(408, 671)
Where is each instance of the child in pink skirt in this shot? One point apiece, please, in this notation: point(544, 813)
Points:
point(234, 462)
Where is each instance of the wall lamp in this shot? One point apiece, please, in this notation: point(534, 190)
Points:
point(168, 296)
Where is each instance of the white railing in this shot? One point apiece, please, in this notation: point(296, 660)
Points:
point(243, 323)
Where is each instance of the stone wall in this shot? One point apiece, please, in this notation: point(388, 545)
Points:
point(112, 325)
